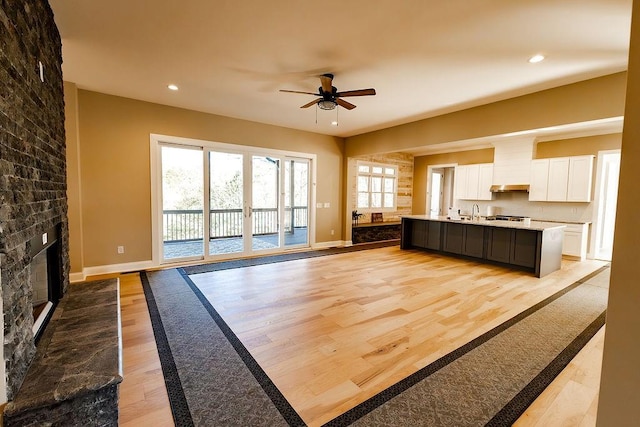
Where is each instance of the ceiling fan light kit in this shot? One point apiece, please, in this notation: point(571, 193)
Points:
point(327, 105)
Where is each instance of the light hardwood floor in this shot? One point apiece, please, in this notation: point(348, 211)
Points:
point(333, 331)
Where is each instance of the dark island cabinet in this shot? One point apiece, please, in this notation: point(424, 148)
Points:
point(473, 242)
point(453, 238)
point(419, 233)
point(512, 246)
point(499, 244)
point(537, 250)
point(463, 239)
point(434, 235)
point(424, 234)
point(526, 246)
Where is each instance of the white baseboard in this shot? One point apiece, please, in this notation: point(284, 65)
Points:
point(114, 268)
point(325, 245)
point(145, 265)
point(77, 277)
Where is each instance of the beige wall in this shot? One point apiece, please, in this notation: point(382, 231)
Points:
point(114, 170)
point(619, 400)
point(588, 100)
point(421, 163)
point(578, 146)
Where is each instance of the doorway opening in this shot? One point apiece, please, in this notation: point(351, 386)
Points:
point(606, 199)
point(439, 189)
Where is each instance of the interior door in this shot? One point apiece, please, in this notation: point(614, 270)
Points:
point(436, 192)
point(607, 204)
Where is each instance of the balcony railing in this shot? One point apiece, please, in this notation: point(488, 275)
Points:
point(185, 224)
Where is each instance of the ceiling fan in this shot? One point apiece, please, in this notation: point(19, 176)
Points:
point(330, 97)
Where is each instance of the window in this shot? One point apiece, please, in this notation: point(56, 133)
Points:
point(377, 186)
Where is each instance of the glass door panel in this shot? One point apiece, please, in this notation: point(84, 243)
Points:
point(226, 195)
point(182, 203)
point(264, 211)
point(296, 202)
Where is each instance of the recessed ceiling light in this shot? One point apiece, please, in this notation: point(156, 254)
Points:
point(536, 58)
point(334, 123)
point(172, 87)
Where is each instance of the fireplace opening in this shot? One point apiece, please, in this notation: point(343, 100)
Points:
point(46, 281)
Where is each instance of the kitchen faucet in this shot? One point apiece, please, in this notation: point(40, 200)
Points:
point(473, 211)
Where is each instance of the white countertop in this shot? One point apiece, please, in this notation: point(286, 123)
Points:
point(535, 225)
point(563, 222)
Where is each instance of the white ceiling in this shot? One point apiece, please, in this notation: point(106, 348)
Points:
point(423, 57)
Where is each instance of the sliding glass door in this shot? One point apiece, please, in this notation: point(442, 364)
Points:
point(296, 202)
point(256, 203)
point(226, 200)
point(264, 210)
point(182, 202)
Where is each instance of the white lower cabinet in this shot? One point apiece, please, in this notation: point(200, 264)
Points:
point(575, 240)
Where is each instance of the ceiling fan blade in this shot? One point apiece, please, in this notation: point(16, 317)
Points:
point(325, 81)
point(359, 92)
point(309, 104)
point(297, 91)
point(345, 104)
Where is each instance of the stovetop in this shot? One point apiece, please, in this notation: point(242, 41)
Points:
point(507, 218)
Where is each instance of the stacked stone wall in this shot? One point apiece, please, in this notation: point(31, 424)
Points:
point(32, 165)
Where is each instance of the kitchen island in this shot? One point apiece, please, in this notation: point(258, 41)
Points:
point(534, 247)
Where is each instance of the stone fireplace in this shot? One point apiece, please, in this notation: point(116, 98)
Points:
point(46, 280)
point(33, 201)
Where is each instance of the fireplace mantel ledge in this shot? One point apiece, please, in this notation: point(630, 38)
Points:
point(79, 358)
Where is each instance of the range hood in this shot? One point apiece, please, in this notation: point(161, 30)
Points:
point(508, 188)
point(512, 165)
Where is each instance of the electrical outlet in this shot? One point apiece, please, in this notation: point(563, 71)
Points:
point(120, 249)
point(332, 232)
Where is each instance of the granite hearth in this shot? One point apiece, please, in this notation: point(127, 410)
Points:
point(74, 377)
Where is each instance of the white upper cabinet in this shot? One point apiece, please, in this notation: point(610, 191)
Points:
point(580, 174)
point(473, 182)
point(539, 180)
point(460, 183)
point(558, 179)
point(485, 179)
point(561, 179)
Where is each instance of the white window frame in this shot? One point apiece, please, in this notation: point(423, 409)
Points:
point(371, 174)
point(157, 140)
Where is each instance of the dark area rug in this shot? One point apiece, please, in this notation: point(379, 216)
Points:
point(213, 380)
point(210, 381)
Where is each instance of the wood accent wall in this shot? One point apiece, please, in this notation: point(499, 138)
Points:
point(404, 162)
